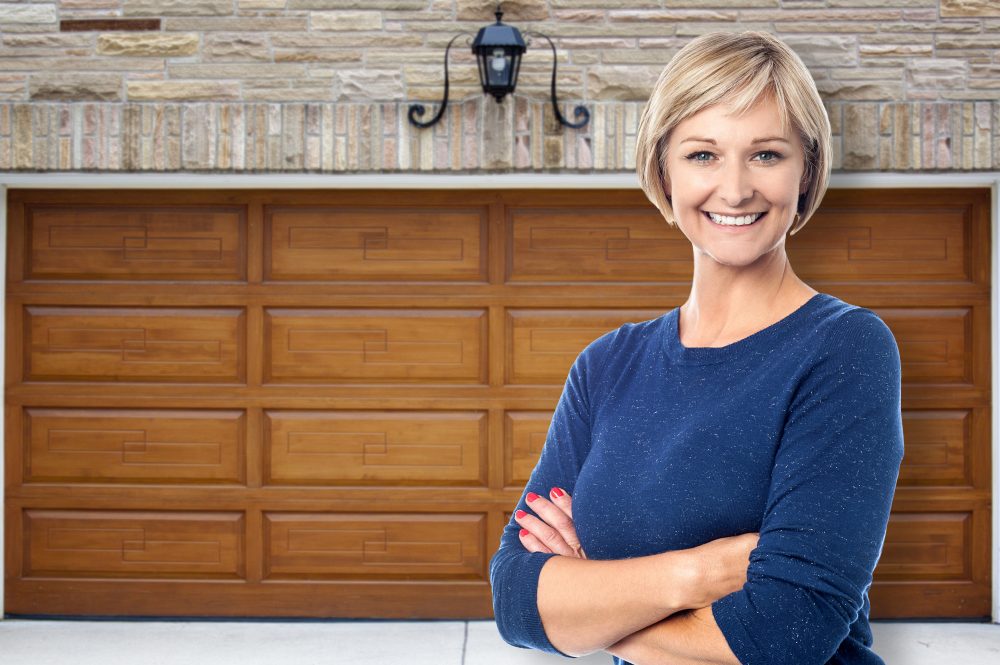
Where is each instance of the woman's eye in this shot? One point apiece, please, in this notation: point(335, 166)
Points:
point(773, 156)
point(694, 156)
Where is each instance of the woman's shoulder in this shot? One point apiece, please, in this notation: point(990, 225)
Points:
point(857, 332)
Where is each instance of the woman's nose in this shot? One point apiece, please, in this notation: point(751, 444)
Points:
point(735, 185)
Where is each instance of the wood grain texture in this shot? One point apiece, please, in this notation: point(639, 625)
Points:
point(325, 403)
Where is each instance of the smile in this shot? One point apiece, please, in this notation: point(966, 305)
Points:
point(726, 220)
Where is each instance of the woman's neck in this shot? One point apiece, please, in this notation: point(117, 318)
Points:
point(728, 305)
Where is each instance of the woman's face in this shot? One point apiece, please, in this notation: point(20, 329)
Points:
point(735, 166)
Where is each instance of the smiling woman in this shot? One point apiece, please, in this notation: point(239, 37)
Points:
point(688, 520)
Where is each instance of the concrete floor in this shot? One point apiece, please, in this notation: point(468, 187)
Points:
point(25, 642)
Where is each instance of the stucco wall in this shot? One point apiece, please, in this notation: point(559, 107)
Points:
point(324, 85)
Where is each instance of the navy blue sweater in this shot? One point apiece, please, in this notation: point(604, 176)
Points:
point(794, 432)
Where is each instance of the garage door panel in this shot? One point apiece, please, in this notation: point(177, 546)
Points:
point(136, 242)
point(151, 446)
point(934, 343)
point(335, 243)
point(927, 546)
point(108, 544)
point(134, 344)
point(374, 546)
point(378, 447)
point(353, 345)
point(938, 448)
point(593, 243)
point(524, 437)
point(544, 343)
point(847, 244)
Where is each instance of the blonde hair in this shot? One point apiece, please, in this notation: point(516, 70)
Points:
point(737, 69)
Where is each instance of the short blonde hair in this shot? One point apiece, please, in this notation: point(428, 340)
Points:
point(737, 69)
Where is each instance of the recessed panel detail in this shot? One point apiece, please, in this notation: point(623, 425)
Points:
point(139, 544)
point(926, 546)
point(844, 244)
point(937, 445)
point(136, 242)
point(524, 437)
point(382, 244)
point(542, 344)
point(401, 448)
point(595, 244)
point(934, 344)
point(134, 344)
point(126, 445)
point(353, 345)
point(374, 546)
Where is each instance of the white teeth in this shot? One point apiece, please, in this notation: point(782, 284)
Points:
point(735, 221)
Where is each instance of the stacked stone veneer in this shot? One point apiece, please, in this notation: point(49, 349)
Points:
point(324, 85)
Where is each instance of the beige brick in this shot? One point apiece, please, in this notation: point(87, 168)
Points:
point(32, 13)
point(227, 71)
point(177, 7)
point(77, 86)
point(242, 24)
point(958, 8)
point(347, 41)
point(895, 50)
point(621, 82)
point(823, 50)
point(262, 4)
point(937, 73)
point(89, 4)
point(147, 44)
point(513, 10)
point(357, 4)
point(352, 85)
point(182, 90)
point(860, 136)
point(236, 47)
point(854, 91)
point(644, 15)
point(697, 4)
point(346, 21)
point(317, 55)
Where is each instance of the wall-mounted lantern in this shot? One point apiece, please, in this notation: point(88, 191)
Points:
point(498, 49)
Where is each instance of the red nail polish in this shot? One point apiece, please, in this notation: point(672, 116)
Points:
point(531, 497)
point(520, 514)
point(524, 532)
point(557, 491)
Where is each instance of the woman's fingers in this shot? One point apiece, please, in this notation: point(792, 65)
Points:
point(562, 500)
point(531, 543)
point(553, 527)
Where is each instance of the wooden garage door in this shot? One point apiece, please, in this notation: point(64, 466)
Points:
point(325, 403)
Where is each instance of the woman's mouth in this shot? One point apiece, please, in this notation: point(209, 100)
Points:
point(734, 222)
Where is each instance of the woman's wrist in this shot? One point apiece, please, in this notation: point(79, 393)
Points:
point(679, 578)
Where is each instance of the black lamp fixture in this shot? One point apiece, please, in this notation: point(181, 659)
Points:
point(498, 49)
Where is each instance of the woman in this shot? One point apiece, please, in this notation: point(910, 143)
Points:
point(716, 483)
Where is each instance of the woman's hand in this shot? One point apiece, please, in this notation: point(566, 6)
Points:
point(552, 530)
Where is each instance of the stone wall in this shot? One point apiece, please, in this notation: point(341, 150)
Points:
point(324, 85)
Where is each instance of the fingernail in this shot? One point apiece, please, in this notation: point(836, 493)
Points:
point(557, 491)
point(524, 532)
point(520, 514)
point(531, 496)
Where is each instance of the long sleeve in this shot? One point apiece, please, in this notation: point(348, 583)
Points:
point(832, 485)
point(514, 571)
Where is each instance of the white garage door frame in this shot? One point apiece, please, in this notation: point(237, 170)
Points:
point(513, 181)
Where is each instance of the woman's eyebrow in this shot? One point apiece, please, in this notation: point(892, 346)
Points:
point(755, 141)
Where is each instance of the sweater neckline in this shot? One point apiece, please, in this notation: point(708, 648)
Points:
point(705, 355)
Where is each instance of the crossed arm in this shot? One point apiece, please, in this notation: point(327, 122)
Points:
point(644, 610)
